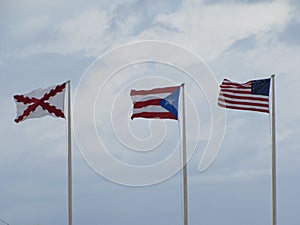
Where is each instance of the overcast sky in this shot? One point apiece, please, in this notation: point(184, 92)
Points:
point(44, 43)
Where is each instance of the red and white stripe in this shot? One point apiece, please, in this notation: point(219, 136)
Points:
point(146, 103)
point(238, 96)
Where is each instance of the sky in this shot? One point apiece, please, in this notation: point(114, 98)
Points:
point(44, 43)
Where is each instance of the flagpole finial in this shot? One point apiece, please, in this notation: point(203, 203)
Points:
point(273, 75)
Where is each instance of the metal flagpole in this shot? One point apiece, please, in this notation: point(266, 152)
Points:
point(184, 161)
point(274, 203)
point(69, 157)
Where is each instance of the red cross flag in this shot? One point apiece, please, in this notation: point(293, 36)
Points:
point(41, 102)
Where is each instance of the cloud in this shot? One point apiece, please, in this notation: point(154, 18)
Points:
point(84, 33)
point(295, 4)
point(235, 1)
point(37, 29)
point(206, 29)
point(291, 32)
point(211, 29)
point(88, 31)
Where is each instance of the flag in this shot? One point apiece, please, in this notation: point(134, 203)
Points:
point(156, 103)
point(41, 102)
point(252, 95)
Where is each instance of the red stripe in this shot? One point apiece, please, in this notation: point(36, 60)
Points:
point(30, 108)
point(241, 108)
point(228, 82)
point(52, 109)
point(237, 91)
point(154, 91)
point(243, 103)
point(225, 86)
point(137, 105)
point(53, 92)
point(25, 99)
point(161, 115)
point(244, 97)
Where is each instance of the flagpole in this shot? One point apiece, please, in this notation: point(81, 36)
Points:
point(69, 157)
point(184, 161)
point(274, 203)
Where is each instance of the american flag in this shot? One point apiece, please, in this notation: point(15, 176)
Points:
point(252, 95)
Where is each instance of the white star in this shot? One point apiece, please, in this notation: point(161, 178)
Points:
point(170, 101)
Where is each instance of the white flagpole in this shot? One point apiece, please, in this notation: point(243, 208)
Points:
point(69, 157)
point(184, 161)
point(274, 203)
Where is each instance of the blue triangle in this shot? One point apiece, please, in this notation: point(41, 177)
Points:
point(170, 102)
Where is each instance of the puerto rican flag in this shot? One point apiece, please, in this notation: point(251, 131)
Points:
point(159, 103)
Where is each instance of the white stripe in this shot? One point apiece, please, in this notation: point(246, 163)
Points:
point(244, 100)
point(235, 89)
point(244, 95)
point(228, 82)
point(151, 108)
point(245, 106)
point(250, 102)
point(138, 98)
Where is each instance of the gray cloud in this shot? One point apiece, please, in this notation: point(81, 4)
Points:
point(145, 11)
point(236, 1)
point(291, 33)
point(246, 43)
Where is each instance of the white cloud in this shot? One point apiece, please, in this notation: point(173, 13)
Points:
point(84, 33)
point(211, 29)
point(206, 29)
point(84, 28)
